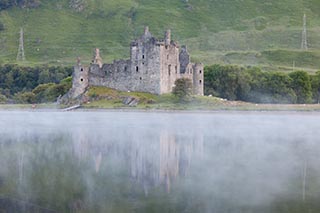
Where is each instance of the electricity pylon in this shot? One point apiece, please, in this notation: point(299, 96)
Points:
point(304, 42)
point(20, 55)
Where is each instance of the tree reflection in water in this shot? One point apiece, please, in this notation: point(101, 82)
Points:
point(158, 162)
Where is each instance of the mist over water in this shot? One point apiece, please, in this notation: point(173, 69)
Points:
point(159, 162)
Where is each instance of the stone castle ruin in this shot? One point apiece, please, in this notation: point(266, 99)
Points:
point(153, 67)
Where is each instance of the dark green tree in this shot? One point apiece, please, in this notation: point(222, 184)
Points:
point(16, 79)
point(278, 88)
point(5, 4)
point(1, 26)
point(3, 99)
point(41, 92)
point(315, 84)
point(182, 89)
point(250, 84)
point(25, 97)
point(301, 84)
point(230, 82)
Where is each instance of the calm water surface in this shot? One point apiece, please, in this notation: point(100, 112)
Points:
point(159, 162)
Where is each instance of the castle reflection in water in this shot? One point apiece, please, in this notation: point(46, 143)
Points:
point(153, 158)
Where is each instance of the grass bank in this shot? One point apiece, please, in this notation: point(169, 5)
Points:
point(101, 98)
point(106, 98)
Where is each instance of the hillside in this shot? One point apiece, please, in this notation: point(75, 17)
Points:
point(246, 32)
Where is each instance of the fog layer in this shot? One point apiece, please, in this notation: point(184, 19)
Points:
point(160, 162)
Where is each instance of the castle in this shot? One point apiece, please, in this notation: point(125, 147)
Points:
point(153, 67)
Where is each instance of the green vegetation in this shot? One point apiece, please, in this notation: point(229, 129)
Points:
point(249, 33)
point(254, 85)
point(26, 85)
point(33, 84)
point(106, 98)
point(182, 89)
point(4, 4)
point(101, 97)
point(222, 31)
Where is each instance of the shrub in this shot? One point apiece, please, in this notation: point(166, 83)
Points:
point(182, 89)
point(25, 97)
point(3, 99)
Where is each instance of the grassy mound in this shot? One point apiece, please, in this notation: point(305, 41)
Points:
point(106, 98)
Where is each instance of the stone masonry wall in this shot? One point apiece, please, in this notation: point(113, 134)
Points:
point(145, 65)
point(170, 67)
point(198, 79)
point(79, 81)
point(140, 73)
point(153, 67)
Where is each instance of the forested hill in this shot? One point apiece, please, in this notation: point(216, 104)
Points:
point(250, 32)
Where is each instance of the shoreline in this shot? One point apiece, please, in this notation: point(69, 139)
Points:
point(278, 109)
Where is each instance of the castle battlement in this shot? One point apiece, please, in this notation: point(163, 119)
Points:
point(153, 67)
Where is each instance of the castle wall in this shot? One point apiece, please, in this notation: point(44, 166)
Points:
point(169, 67)
point(153, 67)
point(194, 72)
point(139, 73)
point(115, 75)
point(145, 65)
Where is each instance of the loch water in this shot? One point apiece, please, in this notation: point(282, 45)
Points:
point(113, 161)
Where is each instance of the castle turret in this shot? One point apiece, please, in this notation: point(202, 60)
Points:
point(168, 37)
point(79, 80)
point(198, 79)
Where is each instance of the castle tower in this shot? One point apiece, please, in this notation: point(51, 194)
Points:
point(80, 80)
point(168, 37)
point(96, 58)
point(198, 79)
point(304, 43)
